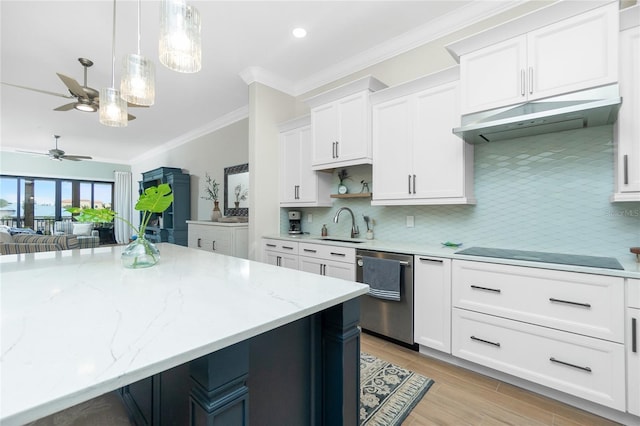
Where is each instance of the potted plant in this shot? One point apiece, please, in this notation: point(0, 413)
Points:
point(241, 194)
point(342, 176)
point(140, 253)
point(211, 193)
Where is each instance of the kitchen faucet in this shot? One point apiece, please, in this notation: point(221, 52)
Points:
point(354, 228)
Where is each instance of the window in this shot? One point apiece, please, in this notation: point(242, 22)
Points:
point(37, 203)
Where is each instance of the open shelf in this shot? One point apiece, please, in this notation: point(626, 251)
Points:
point(359, 195)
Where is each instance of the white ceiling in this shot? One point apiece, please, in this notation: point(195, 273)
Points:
point(41, 38)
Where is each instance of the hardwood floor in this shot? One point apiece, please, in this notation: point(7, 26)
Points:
point(462, 397)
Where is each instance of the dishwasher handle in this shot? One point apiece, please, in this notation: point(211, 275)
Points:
point(359, 261)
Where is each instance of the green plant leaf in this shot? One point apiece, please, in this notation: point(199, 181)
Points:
point(155, 199)
point(92, 215)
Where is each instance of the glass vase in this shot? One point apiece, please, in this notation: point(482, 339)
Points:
point(140, 253)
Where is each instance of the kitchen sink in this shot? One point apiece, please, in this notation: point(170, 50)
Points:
point(340, 240)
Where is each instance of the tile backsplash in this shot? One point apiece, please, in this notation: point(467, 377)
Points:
point(548, 192)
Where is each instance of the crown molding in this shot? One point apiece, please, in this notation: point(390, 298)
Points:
point(227, 119)
point(260, 75)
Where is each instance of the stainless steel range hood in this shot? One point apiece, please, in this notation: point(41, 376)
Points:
point(587, 108)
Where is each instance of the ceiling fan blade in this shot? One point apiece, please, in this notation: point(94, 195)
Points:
point(65, 107)
point(38, 90)
point(75, 157)
point(130, 105)
point(73, 86)
point(131, 117)
point(32, 152)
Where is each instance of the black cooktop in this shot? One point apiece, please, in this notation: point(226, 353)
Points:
point(545, 257)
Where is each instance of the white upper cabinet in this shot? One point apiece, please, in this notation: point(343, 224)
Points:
point(627, 128)
point(300, 186)
point(576, 53)
point(341, 123)
point(418, 160)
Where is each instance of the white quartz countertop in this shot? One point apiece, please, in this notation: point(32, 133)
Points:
point(76, 324)
point(631, 267)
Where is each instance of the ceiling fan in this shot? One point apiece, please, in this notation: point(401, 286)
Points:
point(86, 98)
point(58, 154)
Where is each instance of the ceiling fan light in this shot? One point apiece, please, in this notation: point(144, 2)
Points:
point(84, 105)
point(113, 109)
point(180, 47)
point(138, 80)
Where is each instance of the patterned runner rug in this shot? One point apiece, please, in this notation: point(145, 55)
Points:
point(388, 392)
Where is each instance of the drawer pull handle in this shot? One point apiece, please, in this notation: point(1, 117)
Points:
point(268, 245)
point(311, 251)
point(287, 247)
point(424, 259)
point(477, 287)
point(278, 261)
point(337, 254)
point(634, 335)
point(568, 364)
point(199, 242)
point(477, 339)
point(569, 302)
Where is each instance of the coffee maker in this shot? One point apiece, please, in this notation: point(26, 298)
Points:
point(294, 222)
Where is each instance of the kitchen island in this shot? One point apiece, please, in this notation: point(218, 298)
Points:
point(245, 338)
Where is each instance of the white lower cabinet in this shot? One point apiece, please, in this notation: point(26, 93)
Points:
point(332, 261)
point(633, 346)
point(231, 239)
point(564, 330)
point(280, 253)
point(432, 302)
point(583, 366)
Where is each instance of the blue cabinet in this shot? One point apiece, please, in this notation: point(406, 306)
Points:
point(171, 225)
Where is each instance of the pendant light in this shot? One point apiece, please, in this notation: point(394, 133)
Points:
point(113, 109)
point(138, 77)
point(180, 42)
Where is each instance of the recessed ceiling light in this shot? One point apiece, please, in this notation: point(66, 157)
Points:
point(299, 32)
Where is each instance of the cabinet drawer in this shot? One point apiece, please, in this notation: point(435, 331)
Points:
point(322, 251)
point(589, 368)
point(633, 293)
point(580, 303)
point(280, 246)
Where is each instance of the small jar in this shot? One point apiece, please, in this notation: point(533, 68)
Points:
point(369, 234)
point(324, 230)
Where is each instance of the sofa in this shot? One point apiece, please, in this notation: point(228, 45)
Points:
point(87, 237)
point(20, 240)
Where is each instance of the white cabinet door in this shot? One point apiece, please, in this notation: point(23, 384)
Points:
point(330, 268)
point(311, 264)
point(290, 167)
point(432, 302)
point(574, 54)
point(280, 253)
point(627, 128)
point(341, 132)
point(441, 160)
point(633, 361)
point(308, 179)
point(392, 138)
point(494, 76)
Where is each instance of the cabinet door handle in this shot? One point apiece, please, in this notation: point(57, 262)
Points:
point(338, 254)
point(409, 184)
point(310, 250)
point(200, 243)
point(626, 169)
point(424, 259)
point(287, 247)
point(414, 184)
point(634, 335)
point(337, 151)
point(213, 245)
point(530, 80)
point(268, 245)
point(523, 80)
point(568, 364)
point(569, 302)
point(494, 290)
point(477, 339)
point(278, 261)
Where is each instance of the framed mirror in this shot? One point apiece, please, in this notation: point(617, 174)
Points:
point(236, 190)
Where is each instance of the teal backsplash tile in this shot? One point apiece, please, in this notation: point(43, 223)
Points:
point(549, 192)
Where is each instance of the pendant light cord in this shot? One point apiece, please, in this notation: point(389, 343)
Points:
point(113, 49)
point(139, 1)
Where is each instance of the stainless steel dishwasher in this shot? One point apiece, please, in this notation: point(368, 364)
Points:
point(387, 318)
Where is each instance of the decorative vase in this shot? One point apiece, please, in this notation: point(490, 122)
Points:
point(215, 213)
point(140, 253)
point(237, 203)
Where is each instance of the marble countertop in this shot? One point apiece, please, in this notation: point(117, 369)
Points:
point(631, 267)
point(76, 324)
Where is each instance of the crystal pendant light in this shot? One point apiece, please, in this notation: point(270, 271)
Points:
point(113, 109)
point(180, 41)
point(138, 78)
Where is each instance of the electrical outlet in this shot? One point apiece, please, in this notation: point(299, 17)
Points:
point(410, 221)
point(309, 217)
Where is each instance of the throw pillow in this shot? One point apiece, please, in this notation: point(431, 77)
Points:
point(82, 228)
point(5, 236)
point(64, 227)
